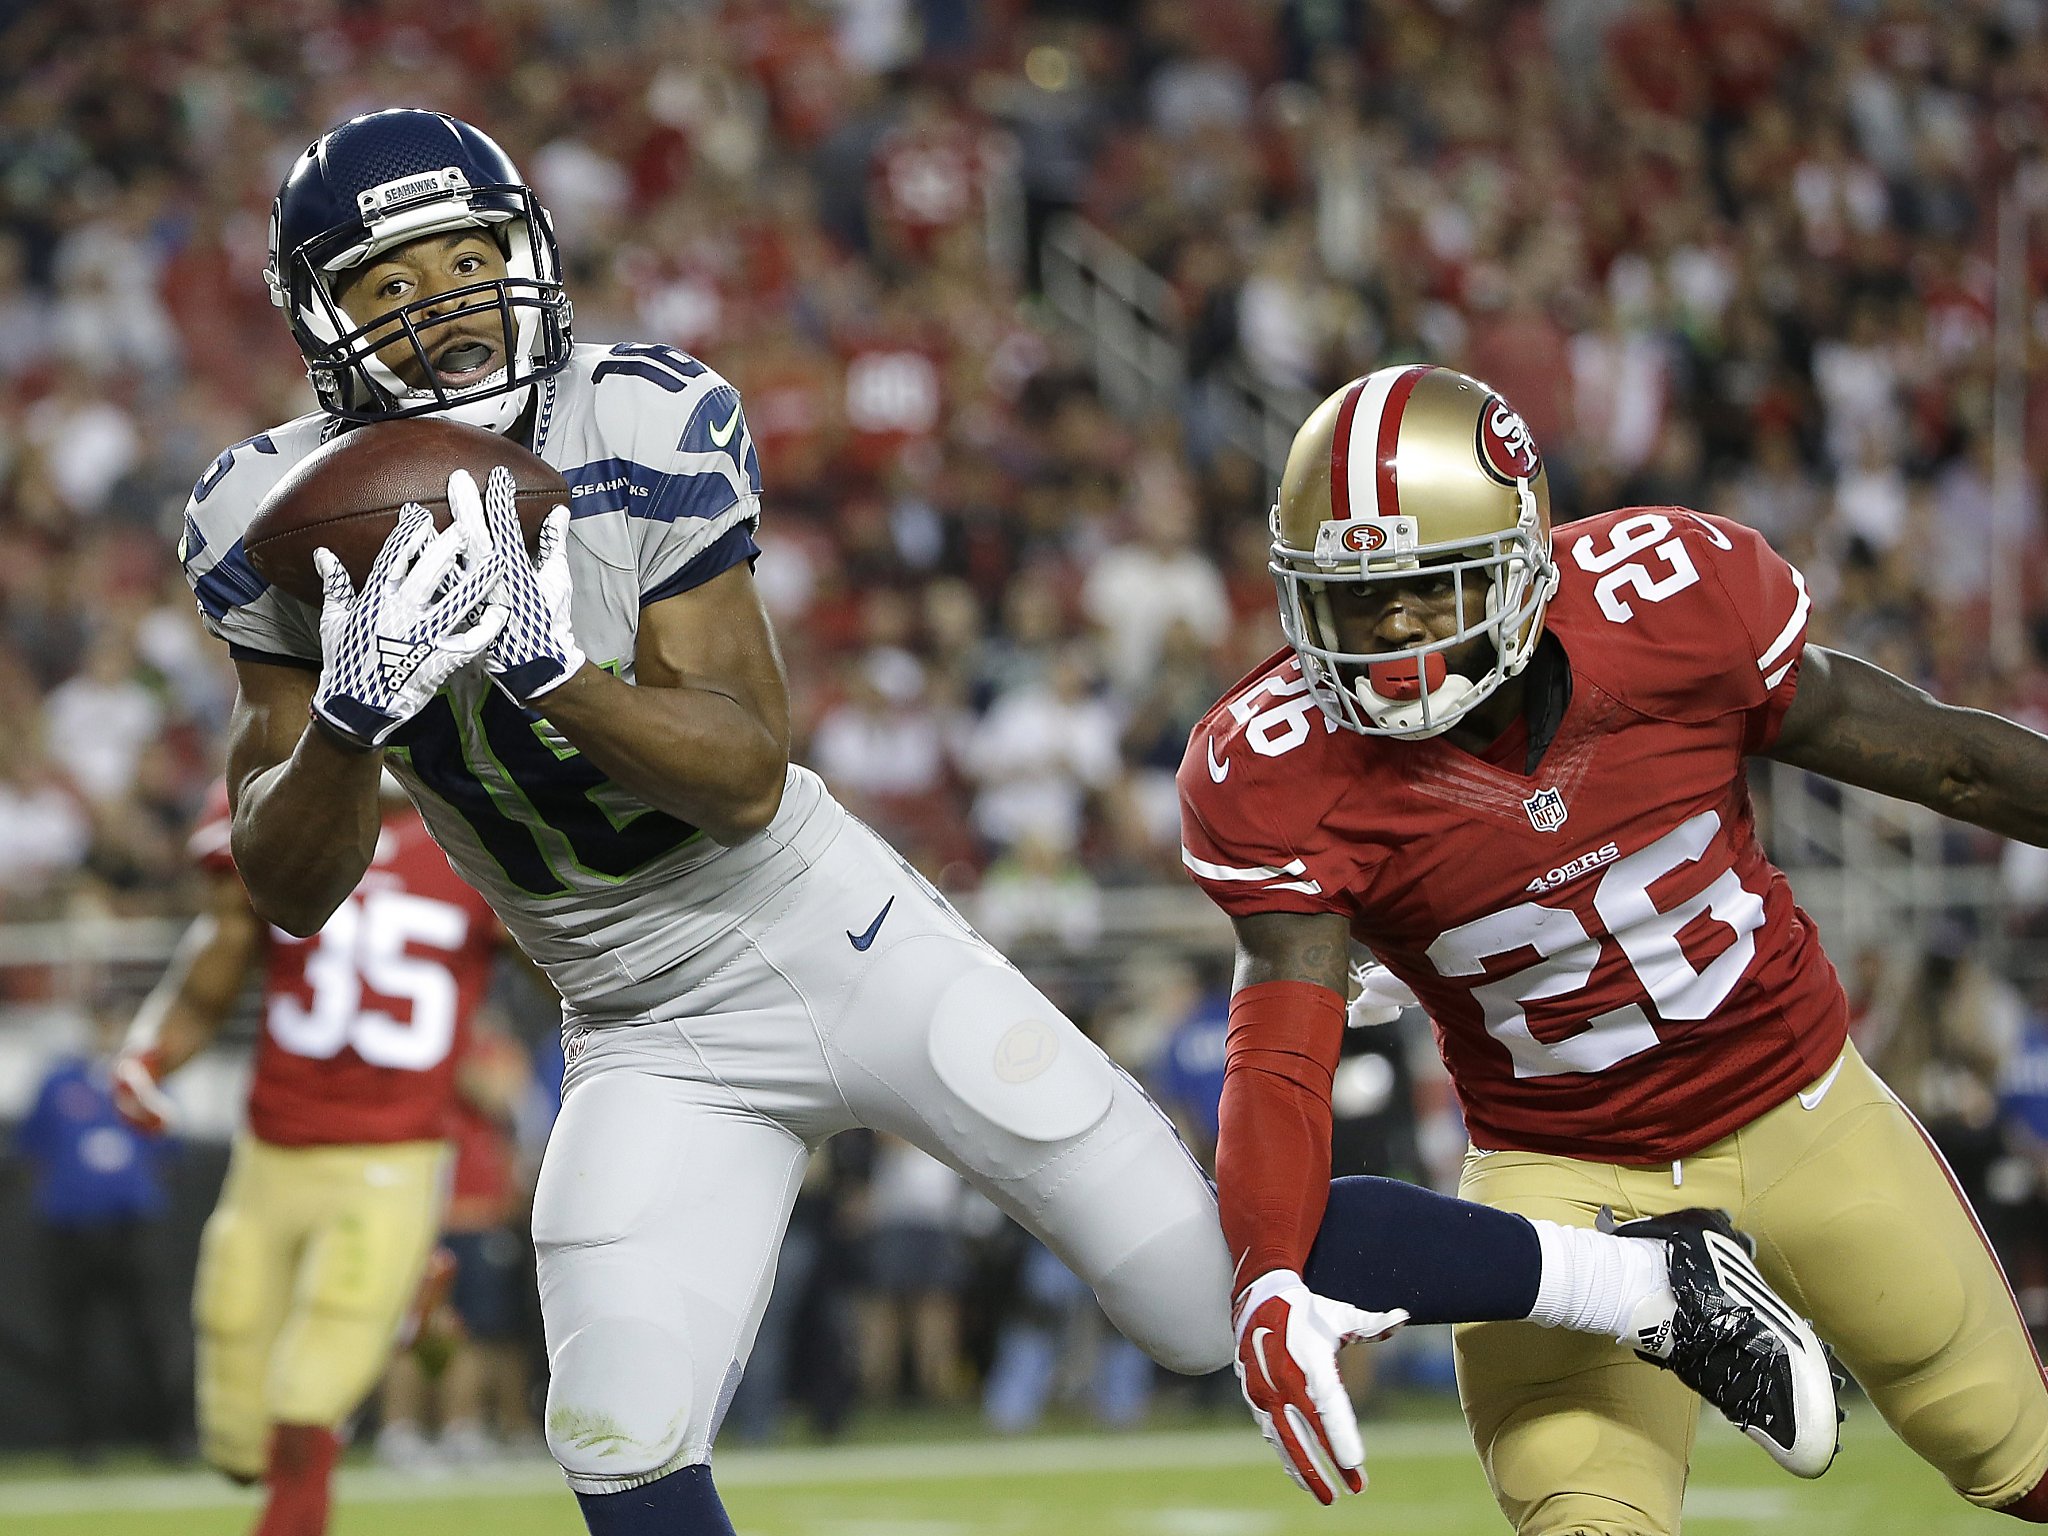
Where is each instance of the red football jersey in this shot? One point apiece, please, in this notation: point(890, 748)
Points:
point(362, 1022)
point(483, 1186)
point(1614, 968)
point(928, 179)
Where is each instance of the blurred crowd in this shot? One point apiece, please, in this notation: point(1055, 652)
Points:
point(1739, 255)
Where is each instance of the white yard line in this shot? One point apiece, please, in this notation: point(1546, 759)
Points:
point(1053, 1456)
point(965, 1460)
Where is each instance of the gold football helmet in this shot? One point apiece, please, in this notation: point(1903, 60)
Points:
point(1405, 468)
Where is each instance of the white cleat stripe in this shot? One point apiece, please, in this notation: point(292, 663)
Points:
point(1740, 1276)
point(1768, 1304)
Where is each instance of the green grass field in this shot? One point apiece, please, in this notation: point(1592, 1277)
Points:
point(1207, 1481)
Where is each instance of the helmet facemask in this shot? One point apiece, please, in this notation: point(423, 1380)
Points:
point(1411, 693)
point(530, 303)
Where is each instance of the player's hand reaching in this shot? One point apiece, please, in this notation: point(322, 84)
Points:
point(139, 1096)
point(537, 652)
point(423, 614)
point(1287, 1341)
point(1381, 998)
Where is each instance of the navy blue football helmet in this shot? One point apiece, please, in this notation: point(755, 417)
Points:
point(379, 181)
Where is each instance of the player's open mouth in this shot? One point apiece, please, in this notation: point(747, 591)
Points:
point(465, 362)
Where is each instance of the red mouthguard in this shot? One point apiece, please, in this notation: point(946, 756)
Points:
point(1402, 680)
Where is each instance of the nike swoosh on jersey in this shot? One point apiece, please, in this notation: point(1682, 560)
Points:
point(723, 435)
point(1218, 772)
point(1812, 1100)
point(862, 941)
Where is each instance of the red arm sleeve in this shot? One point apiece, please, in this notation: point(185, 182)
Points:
point(208, 845)
point(1273, 1144)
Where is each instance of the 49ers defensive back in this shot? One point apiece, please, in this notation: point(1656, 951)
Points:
point(334, 1190)
point(1510, 762)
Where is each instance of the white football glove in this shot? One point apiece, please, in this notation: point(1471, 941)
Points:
point(1382, 996)
point(537, 651)
point(423, 614)
point(139, 1096)
point(1287, 1339)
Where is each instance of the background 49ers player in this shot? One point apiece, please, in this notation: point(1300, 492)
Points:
point(1512, 765)
point(334, 1191)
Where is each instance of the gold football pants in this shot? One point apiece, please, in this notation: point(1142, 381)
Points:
point(1857, 1224)
point(306, 1268)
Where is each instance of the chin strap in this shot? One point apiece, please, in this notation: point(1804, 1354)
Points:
point(1450, 697)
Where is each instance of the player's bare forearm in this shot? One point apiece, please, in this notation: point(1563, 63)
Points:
point(693, 751)
point(1859, 724)
point(703, 730)
point(1293, 946)
point(306, 816)
point(189, 1004)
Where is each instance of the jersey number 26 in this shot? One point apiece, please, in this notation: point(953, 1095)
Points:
point(1567, 954)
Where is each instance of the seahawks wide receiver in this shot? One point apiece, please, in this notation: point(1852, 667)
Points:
point(602, 749)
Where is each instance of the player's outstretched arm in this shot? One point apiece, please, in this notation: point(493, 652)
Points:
point(703, 730)
point(306, 817)
point(1318, 1263)
point(1861, 725)
point(1272, 1181)
point(190, 1002)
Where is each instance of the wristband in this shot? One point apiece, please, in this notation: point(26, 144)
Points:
point(338, 737)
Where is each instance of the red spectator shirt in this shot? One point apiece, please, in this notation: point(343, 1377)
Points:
point(928, 179)
point(1614, 968)
point(893, 394)
point(484, 1187)
point(362, 1023)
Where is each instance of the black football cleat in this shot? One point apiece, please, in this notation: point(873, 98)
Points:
point(1736, 1342)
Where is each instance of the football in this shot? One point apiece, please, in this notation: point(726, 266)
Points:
point(346, 495)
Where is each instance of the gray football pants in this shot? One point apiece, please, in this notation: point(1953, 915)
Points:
point(685, 1130)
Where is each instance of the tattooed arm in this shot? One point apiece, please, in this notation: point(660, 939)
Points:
point(1293, 946)
point(1859, 724)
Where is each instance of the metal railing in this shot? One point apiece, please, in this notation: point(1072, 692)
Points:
point(1128, 319)
point(1125, 314)
point(56, 976)
point(1870, 871)
point(1876, 872)
point(1868, 868)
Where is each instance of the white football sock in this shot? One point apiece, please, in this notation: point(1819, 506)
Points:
point(1595, 1282)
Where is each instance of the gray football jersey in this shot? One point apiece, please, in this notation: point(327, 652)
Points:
point(597, 886)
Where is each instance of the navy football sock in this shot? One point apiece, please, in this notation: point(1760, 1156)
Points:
point(683, 1503)
point(1385, 1244)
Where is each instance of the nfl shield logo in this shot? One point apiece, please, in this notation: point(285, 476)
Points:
point(1546, 810)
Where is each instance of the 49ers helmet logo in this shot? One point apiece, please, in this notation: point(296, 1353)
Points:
point(1506, 449)
point(1364, 538)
